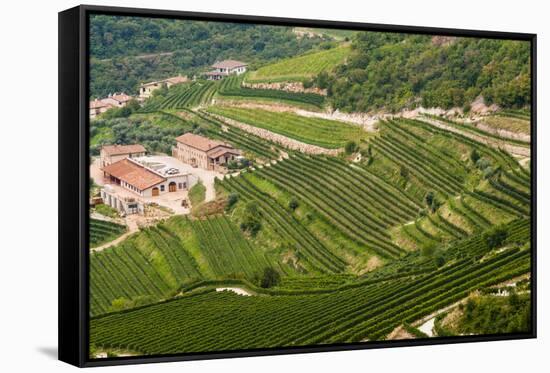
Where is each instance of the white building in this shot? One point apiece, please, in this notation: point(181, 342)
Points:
point(225, 68)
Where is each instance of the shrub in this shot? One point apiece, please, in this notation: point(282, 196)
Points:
point(495, 237)
point(350, 147)
point(231, 200)
point(293, 204)
point(270, 278)
point(251, 222)
point(474, 156)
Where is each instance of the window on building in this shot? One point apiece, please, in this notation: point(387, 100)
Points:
point(162, 188)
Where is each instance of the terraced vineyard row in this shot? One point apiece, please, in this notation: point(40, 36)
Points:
point(499, 157)
point(310, 249)
point(429, 168)
point(103, 231)
point(240, 139)
point(315, 131)
point(473, 129)
point(231, 88)
point(352, 209)
point(368, 312)
point(301, 67)
point(226, 250)
point(183, 96)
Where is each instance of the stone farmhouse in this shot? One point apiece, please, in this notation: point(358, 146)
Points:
point(199, 151)
point(146, 89)
point(114, 153)
point(225, 68)
point(130, 182)
point(99, 106)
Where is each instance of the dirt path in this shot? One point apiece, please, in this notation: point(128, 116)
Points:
point(239, 291)
point(512, 149)
point(279, 139)
point(133, 227)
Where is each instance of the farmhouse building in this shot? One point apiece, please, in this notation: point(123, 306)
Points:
point(199, 151)
point(114, 153)
point(225, 68)
point(146, 89)
point(131, 182)
point(99, 106)
point(118, 99)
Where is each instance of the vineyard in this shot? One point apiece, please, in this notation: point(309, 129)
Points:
point(103, 231)
point(301, 67)
point(321, 231)
point(157, 261)
point(367, 312)
point(231, 88)
point(315, 131)
point(182, 96)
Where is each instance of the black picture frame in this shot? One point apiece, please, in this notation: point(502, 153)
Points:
point(74, 180)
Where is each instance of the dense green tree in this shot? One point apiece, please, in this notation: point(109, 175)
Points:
point(393, 71)
point(126, 51)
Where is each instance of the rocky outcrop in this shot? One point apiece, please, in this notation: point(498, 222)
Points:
point(296, 87)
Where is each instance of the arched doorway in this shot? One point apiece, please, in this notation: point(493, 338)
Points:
point(155, 191)
point(172, 187)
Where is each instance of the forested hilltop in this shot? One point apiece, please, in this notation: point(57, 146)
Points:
point(396, 71)
point(128, 50)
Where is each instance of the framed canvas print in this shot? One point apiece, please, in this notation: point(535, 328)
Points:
point(234, 186)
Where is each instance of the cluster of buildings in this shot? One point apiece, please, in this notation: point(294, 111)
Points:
point(131, 178)
point(220, 70)
point(117, 100)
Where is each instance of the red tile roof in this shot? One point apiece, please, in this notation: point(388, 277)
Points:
point(133, 174)
point(215, 153)
point(199, 142)
point(97, 104)
point(121, 97)
point(123, 149)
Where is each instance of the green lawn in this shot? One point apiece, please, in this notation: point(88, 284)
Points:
point(301, 67)
point(316, 131)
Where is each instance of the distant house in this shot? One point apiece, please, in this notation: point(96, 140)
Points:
point(225, 68)
point(199, 151)
point(113, 153)
point(146, 89)
point(118, 99)
point(99, 106)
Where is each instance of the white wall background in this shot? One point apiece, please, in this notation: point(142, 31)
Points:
point(28, 144)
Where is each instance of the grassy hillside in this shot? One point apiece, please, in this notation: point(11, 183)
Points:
point(316, 131)
point(301, 67)
point(103, 231)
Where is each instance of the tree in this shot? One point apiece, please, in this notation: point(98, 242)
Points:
point(231, 201)
point(270, 278)
point(293, 204)
point(496, 237)
point(404, 172)
point(474, 156)
point(350, 147)
point(251, 221)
